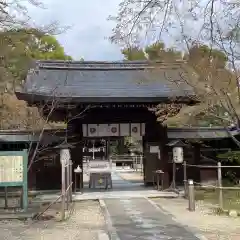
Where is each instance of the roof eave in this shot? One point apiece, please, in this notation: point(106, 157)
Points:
point(31, 98)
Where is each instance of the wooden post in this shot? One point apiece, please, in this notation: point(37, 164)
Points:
point(6, 197)
point(93, 148)
point(191, 196)
point(141, 164)
point(75, 182)
point(220, 191)
point(185, 178)
point(79, 171)
point(134, 162)
point(63, 191)
point(81, 166)
point(21, 197)
point(71, 180)
point(25, 182)
point(81, 182)
point(174, 175)
point(108, 148)
point(68, 183)
point(158, 180)
point(110, 162)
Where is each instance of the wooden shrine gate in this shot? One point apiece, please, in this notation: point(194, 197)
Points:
point(116, 93)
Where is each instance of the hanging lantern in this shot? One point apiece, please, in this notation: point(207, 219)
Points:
point(64, 156)
point(178, 154)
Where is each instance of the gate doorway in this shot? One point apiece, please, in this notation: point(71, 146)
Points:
point(120, 157)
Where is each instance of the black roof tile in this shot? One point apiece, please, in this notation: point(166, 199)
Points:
point(98, 80)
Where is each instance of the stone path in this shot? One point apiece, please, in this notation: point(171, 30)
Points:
point(139, 219)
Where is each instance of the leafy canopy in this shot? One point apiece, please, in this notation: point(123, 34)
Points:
point(20, 47)
point(215, 87)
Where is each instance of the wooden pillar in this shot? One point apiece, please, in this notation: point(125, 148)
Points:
point(156, 135)
point(197, 158)
point(164, 155)
point(32, 178)
point(77, 152)
point(121, 146)
point(77, 159)
point(32, 173)
point(108, 148)
point(144, 141)
point(25, 181)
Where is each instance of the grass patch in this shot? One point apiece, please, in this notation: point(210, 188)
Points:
point(231, 198)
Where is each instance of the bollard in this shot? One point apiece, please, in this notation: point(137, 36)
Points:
point(191, 196)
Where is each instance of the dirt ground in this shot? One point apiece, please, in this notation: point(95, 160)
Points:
point(86, 222)
point(203, 220)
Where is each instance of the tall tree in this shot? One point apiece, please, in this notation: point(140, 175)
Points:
point(156, 51)
point(16, 29)
point(134, 53)
point(214, 23)
point(199, 54)
point(213, 81)
point(21, 47)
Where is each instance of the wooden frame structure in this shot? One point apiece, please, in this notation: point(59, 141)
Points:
point(24, 182)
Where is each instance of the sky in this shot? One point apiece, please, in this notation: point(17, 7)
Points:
point(89, 28)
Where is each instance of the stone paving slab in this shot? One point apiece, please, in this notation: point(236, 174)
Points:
point(139, 219)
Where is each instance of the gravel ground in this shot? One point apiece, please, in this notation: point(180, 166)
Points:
point(203, 220)
point(86, 222)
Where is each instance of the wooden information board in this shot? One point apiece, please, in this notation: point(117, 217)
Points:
point(13, 172)
point(11, 169)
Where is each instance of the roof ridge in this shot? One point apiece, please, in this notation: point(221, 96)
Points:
point(79, 65)
point(109, 62)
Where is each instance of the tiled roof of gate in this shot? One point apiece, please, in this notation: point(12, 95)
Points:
point(107, 79)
